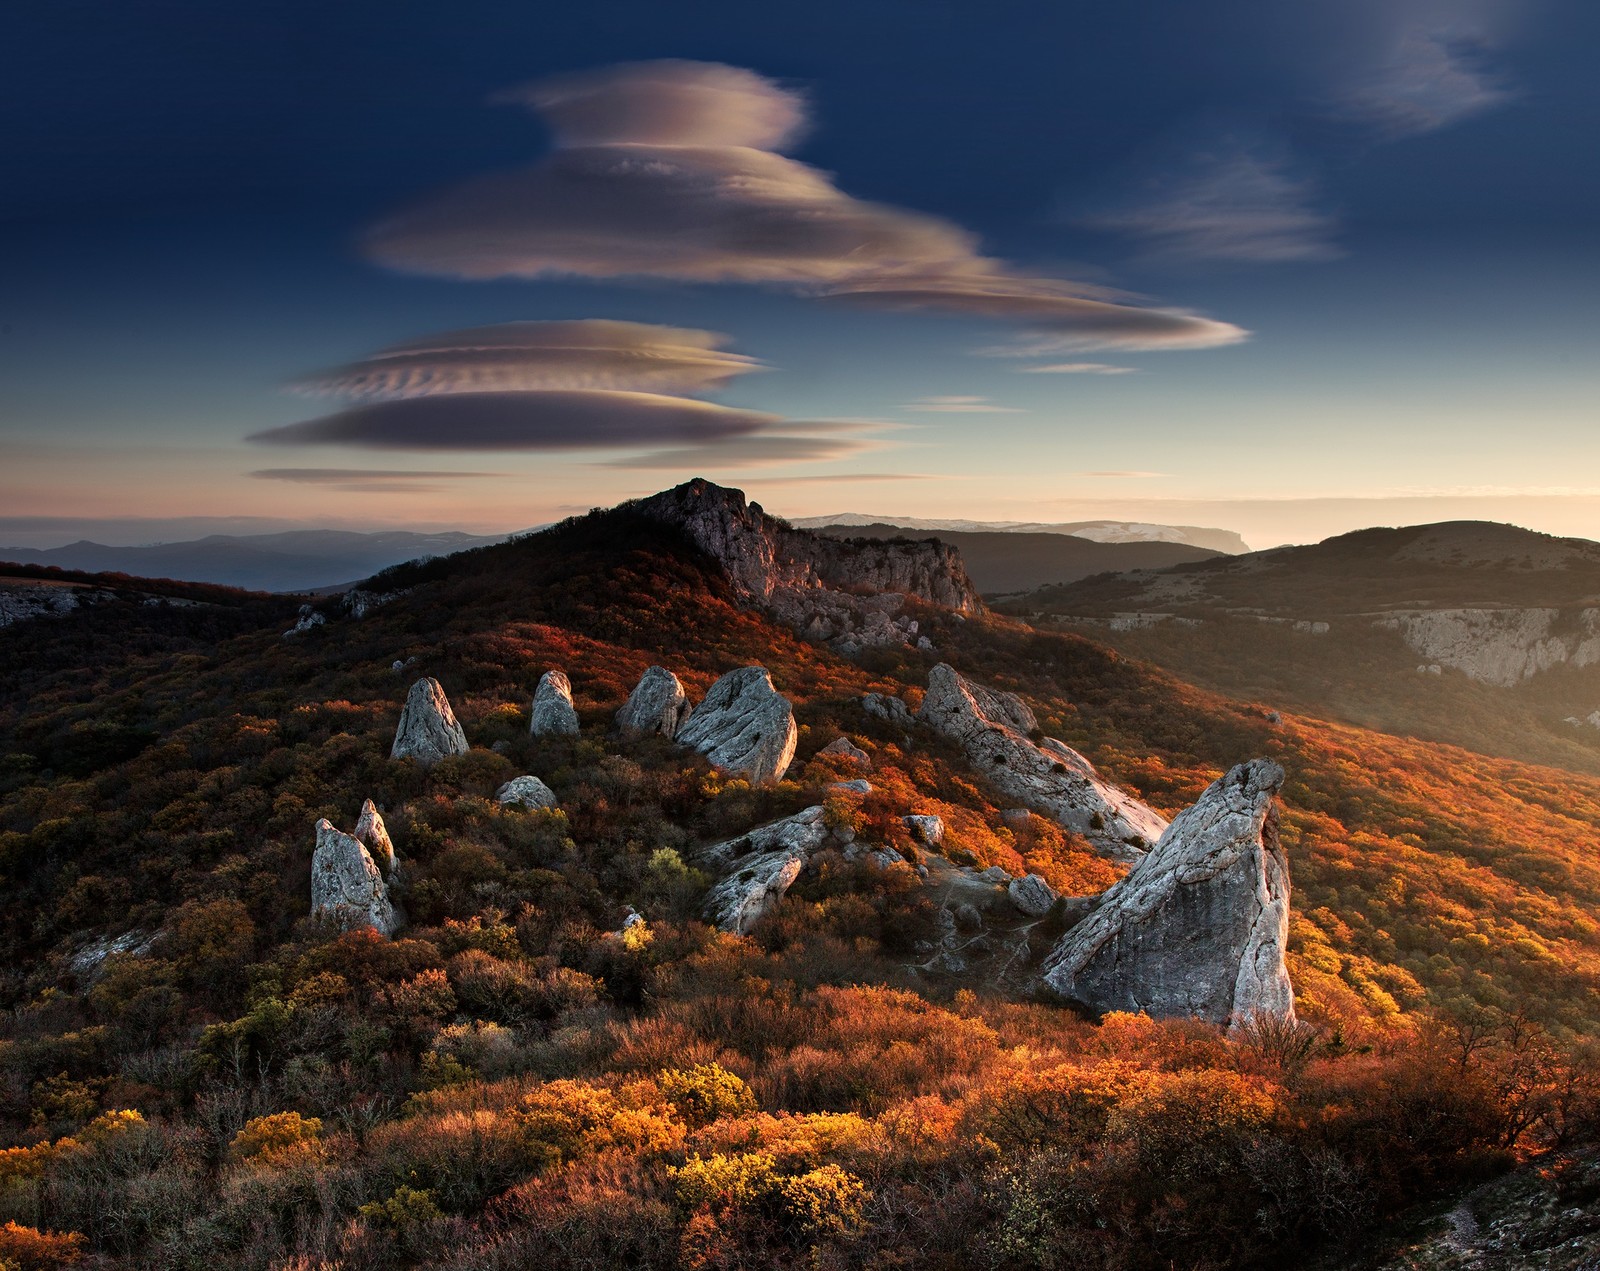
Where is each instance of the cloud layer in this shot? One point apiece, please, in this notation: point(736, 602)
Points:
point(671, 170)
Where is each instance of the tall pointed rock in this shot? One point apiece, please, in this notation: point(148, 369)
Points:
point(657, 704)
point(428, 731)
point(346, 884)
point(553, 713)
point(373, 835)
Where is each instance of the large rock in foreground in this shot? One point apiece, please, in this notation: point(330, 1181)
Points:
point(428, 731)
point(553, 713)
point(657, 704)
point(745, 725)
point(1198, 927)
point(1049, 777)
point(346, 884)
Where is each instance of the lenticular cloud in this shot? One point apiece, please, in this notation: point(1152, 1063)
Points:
point(671, 170)
point(531, 386)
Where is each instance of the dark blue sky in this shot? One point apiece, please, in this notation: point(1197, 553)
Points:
point(1396, 200)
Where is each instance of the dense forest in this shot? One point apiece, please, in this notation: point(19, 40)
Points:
point(194, 1071)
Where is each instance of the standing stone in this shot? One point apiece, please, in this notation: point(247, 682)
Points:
point(373, 835)
point(657, 704)
point(428, 730)
point(346, 884)
point(527, 792)
point(1198, 927)
point(1032, 895)
point(745, 725)
point(760, 866)
point(553, 713)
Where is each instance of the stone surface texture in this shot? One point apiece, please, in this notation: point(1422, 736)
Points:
point(1198, 927)
point(373, 835)
point(428, 730)
point(759, 867)
point(744, 725)
point(1502, 647)
point(657, 704)
point(553, 714)
point(528, 792)
point(1049, 777)
point(346, 884)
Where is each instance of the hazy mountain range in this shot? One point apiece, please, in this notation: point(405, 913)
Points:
point(1224, 541)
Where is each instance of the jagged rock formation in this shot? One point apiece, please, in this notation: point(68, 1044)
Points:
point(528, 792)
point(346, 884)
point(850, 592)
point(1198, 927)
point(1031, 895)
point(1502, 647)
point(359, 603)
point(373, 834)
point(892, 710)
point(744, 725)
point(844, 748)
point(308, 619)
point(553, 713)
point(428, 731)
point(1049, 777)
point(657, 704)
point(761, 865)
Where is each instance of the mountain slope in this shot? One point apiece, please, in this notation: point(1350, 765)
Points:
point(1224, 541)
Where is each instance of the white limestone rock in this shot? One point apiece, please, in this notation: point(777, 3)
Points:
point(925, 828)
point(553, 713)
point(373, 835)
point(744, 725)
point(1049, 777)
point(346, 884)
point(858, 786)
point(527, 792)
point(1031, 895)
point(308, 619)
point(1198, 927)
point(760, 866)
point(1502, 647)
point(844, 748)
point(657, 704)
point(428, 730)
point(892, 710)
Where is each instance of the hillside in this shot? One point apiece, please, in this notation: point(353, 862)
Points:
point(1008, 562)
point(1483, 635)
point(194, 1070)
point(1227, 542)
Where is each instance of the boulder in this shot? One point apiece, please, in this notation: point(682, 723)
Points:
point(1032, 895)
point(346, 884)
point(373, 835)
point(657, 704)
point(308, 619)
point(858, 786)
point(744, 725)
point(844, 748)
point(889, 709)
point(1049, 777)
point(760, 866)
point(925, 828)
point(553, 713)
point(527, 792)
point(428, 731)
point(1198, 927)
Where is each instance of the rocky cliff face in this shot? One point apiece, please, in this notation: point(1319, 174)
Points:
point(1198, 927)
point(744, 725)
point(1500, 646)
point(346, 884)
point(1046, 776)
point(847, 591)
point(428, 730)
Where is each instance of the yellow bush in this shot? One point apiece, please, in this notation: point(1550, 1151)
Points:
point(276, 1135)
point(725, 1182)
point(825, 1201)
point(706, 1093)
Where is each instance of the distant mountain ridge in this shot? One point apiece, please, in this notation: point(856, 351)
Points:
point(1225, 541)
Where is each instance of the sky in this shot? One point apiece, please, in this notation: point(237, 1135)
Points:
point(1284, 269)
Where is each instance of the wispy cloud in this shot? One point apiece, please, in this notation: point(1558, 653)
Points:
point(1122, 475)
point(1079, 368)
point(960, 405)
point(369, 480)
point(1430, 75)
point(672, 170)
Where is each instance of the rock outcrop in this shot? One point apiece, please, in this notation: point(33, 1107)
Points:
point(891, 710)
point(744, 725)
point(527, 792)
point(844, 748)
point(1502, 647)
point(1198, 927)
point(1049, 777)
point(760, 866)
point(373, 835)
point(849, 592)
point(657, 704)
point(346, 884)
point(925, 828)
point(307, 619)
point(553, 713)
point(1031, 895)
point(428, 730)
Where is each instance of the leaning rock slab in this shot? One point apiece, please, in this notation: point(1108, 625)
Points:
point(373, 835)
point(428, 730)
point(553, 712)
point(1049, 777)
point(657, 704)
point(745, 725)
point(1198, 927)
point(760, 866)
point(346, 884)
point(527, 792)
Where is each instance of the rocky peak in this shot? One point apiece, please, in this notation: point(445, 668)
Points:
point(428, 730)
point(1198, 927)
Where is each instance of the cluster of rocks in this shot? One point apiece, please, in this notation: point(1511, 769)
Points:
point(307, 619)
point(351, 874)
point(358, 602)
point(851, 593)
point(1502, 647)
